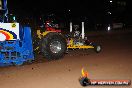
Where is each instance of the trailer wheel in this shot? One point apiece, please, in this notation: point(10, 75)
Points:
point(53, 46)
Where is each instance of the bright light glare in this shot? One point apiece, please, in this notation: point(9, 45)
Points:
point(111, 1)
point(109, 12)
point(109, 28)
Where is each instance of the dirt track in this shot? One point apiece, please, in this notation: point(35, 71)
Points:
point(114, 62)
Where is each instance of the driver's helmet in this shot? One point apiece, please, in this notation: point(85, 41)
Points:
point(85, 38)
point(76, 33)
point(49, 23)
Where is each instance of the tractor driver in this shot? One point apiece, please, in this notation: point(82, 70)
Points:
point(76, 34)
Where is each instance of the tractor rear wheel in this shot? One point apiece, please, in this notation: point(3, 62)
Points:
point(53, 46)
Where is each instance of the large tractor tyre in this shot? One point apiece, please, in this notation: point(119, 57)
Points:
point(53, 46)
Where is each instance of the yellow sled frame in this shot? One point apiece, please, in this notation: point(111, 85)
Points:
point(70, 45)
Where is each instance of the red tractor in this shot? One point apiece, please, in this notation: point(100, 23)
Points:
point(48, 23)
point(50, 26)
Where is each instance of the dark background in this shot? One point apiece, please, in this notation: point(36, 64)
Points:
point(91, 11)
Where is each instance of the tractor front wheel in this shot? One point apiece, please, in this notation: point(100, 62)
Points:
point(97, 48)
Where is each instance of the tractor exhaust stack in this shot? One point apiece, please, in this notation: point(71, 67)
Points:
point(82, 30)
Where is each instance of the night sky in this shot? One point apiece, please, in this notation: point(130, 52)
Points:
point(92, 9)
point(42, 6)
